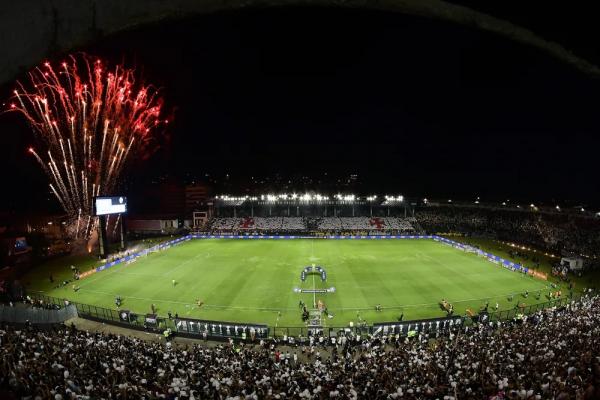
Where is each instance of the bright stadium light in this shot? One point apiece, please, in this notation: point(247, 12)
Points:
point(399, 198)
point(346, 197)
point(558, 207)
point(389, 200)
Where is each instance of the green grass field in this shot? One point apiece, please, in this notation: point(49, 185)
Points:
point(254, 281)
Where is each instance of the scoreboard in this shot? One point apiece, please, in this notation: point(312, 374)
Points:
point(110, 205)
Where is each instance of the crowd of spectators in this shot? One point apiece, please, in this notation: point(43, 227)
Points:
point(553, 354)
point(365, 225)
point(258, 224)
point(333, 225)
point(566, 233)
point(293, 224)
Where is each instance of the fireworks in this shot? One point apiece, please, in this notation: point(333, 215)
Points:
point(90, 120)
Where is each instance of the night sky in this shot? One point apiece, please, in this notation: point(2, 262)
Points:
point(411, 105)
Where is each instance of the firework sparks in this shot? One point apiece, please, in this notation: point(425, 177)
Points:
point(91, 121)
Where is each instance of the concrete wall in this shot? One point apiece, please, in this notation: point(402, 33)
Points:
point(31, 30)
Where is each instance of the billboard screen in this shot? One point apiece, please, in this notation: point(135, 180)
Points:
point(111, 205)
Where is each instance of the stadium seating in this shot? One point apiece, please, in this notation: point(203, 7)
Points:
point(258, 224)
point(576, 234)
point(362, 225)
point(328, 224)
point(293, 224)
point(223, 224)
point(400, 224)
point(552, 354)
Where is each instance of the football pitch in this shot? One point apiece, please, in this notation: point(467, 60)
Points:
point(258, 280)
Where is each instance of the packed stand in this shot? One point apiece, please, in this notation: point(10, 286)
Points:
point(404, 225)
point(365, 225)
point(553, 354)
point(289, 224)
point(331, 225)
point(564, 233)
point(257, 225)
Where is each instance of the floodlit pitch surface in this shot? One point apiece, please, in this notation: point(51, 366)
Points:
point(254, 281)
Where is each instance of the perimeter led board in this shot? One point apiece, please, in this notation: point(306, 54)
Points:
point(111, 205)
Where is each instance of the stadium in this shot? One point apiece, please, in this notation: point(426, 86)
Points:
point(310, 281)
point(259, 269)
point(287, 201)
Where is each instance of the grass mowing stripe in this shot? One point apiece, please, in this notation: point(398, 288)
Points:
point(251, 281)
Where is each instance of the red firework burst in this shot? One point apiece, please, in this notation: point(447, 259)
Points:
point(91, 120)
